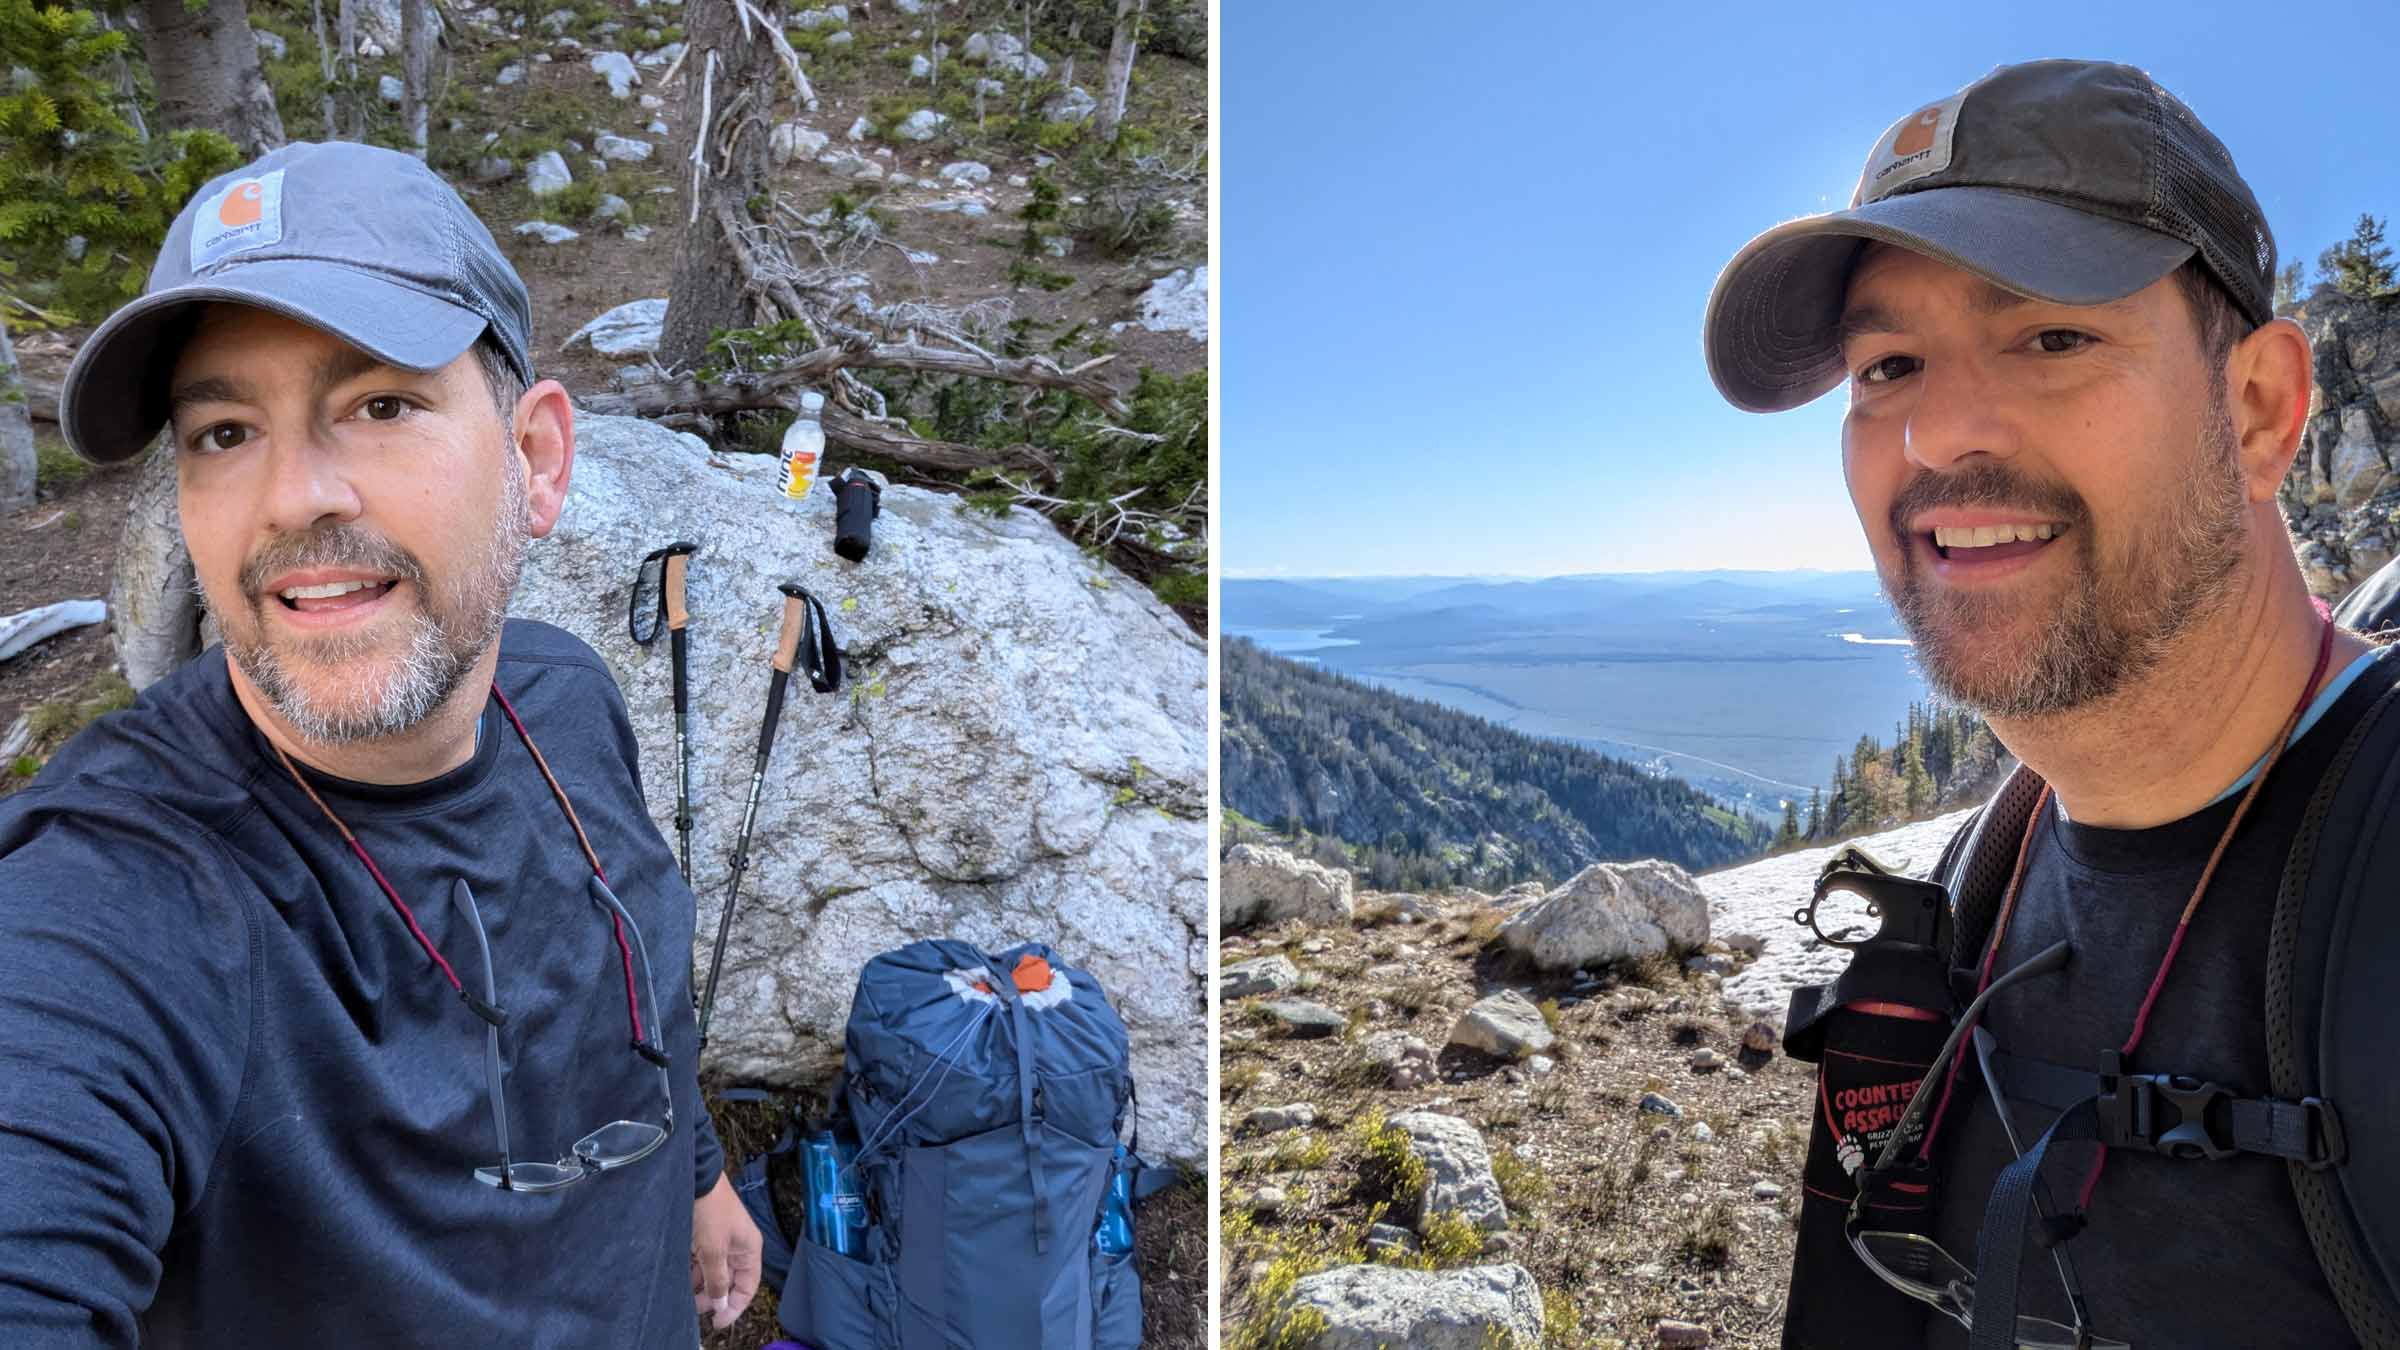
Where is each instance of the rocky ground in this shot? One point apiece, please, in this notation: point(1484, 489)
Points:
point(1431, 1140)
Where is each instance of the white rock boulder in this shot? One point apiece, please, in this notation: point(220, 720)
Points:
point(792, 141)
point(631, 329)
point(1610, 912)
point(1177, 303)
point(617, 69)
point(1459, 1166)
point(1264, 885)
point(1379, 1307)
point(922, 125)
point(623, 149)
point(1507, 1025)
point(548, 174)
point(969, 780)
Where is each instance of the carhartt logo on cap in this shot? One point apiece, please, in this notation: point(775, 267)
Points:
point(241, 205)
point(1915, 146)
point(247, 214)
point(1918, 134)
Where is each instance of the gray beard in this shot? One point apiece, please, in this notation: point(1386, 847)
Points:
point(2113, 626)
point(451, 629)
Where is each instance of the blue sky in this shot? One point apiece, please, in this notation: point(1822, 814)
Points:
point(1465, 251)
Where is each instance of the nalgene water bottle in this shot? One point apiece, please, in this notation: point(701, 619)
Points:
point(1115, 1236)
point(836, 1212)
point(803, 446)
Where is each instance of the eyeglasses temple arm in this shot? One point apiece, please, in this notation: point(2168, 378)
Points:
point(2048, 959)
point(465, 899)
point(641, 951)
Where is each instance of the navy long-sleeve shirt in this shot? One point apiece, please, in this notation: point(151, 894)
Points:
point(239, 1105)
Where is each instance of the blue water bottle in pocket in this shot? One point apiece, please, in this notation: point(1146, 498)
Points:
point(836, 1212)
point(1115, 1235)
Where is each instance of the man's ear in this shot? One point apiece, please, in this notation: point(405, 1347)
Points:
point(545, 435)
point(2268, 378)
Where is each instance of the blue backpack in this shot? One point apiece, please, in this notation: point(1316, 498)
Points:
point(987, 1094)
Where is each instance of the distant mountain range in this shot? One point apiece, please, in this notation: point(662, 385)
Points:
point(1429, 795)
point(1747, 684)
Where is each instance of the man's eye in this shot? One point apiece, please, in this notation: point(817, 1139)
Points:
point(222, 436)
point(1885, 369)
point(2061, 340)
point(385, 407)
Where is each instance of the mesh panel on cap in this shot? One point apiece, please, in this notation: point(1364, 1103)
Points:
point(2194, 197)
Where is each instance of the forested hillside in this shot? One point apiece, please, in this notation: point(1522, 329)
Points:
point(1940, 759)
point(1422, 795)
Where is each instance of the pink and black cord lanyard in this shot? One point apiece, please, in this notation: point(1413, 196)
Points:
point(483, 1010)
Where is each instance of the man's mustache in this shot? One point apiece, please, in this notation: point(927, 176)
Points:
point(1985, 484)
point(329, 546)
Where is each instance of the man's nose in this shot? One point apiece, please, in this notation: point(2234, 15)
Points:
point(306, 482)
point(1956, 410)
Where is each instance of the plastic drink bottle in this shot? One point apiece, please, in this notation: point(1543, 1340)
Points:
point(803, 446)
point(1115, 1234)
point(836, 1211)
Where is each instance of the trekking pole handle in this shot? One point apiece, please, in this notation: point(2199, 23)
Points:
point(795, 621)
point(677, 614)
point(787, 655)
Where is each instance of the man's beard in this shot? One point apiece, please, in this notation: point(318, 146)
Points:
point(448, 631)
point(2113, 624)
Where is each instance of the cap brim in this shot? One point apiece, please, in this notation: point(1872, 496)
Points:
point(113, 402)
point(1773, 328)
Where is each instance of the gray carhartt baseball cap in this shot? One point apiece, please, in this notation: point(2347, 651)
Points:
point(2076, 182)
point(365, 243)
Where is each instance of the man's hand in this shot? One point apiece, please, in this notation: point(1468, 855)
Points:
point(725, 1247)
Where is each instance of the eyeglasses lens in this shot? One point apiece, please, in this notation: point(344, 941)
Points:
point(618, 1143)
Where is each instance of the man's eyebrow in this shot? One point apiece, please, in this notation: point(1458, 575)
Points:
point(344, 364)
point(1861, 320)
point(1989, 300)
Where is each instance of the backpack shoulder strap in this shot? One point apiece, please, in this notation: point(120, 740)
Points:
point(1979, 861)
point(2332, 961)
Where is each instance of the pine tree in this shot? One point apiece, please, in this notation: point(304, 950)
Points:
point(72, 167)
point(1790, 833)
point(2360, 265)
point(1816, 813)
point(1916, 785)
point(1837, 809)
point(2287, 284)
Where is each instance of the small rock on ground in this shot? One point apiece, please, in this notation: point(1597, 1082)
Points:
point(1303, 1020)
point(1270, 1119)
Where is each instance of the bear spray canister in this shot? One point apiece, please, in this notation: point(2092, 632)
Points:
point(1873, 1035)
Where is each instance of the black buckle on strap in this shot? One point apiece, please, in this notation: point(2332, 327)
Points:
point(2184, 1117)
point(2130, 1116)
point(2328, 1146)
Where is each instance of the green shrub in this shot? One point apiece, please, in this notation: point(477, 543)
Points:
point(570, 205)
point(56, 467)
point(71, 166)
point(1389, 1166)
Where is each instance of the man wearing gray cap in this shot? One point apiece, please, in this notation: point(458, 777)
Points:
point(2070, 406)
point(345, 979)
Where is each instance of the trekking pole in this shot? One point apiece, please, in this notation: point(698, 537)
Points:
point(662, 572)
point(808, 639)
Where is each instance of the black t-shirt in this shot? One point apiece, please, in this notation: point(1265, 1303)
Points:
point(239, 1105)
point(2182, 1254)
